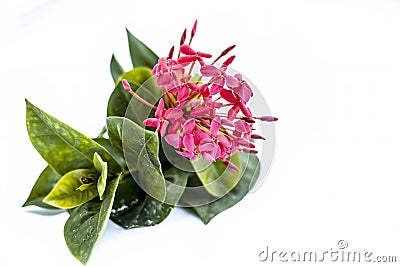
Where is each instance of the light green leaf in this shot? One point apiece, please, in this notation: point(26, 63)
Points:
point(84, 187)
point(250, 170)
point(141, 55)
point(63, 147)
point(216, 178)
point(86, 224)
point(101, 167)
point(115, 69)
point(66, 193)
point(141, 154)
point(44, 184)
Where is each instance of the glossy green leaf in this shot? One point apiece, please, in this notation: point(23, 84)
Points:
point(176, 184)
point(114, 151)
point(101, 167)
point(66, 193)
point(115, 69)
point(133, 208)
point(86, 224)
point(216, 178)
point(250, 171)
point(44, 184)
point(141, 55)
point(63, 147)
point(140, 148)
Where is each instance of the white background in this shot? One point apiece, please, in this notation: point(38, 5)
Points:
point(328, 69)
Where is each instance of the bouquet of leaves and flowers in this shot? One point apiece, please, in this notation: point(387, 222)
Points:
point(179, 132)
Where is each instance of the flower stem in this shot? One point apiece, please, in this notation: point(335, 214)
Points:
point(128, 88)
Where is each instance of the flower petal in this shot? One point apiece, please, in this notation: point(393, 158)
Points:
point(240, 126)
point(176, 124)
point(208, 157)
point(173, 140)
point(201, 54)
point(215, 89)
point(163, 127)
point(188, 142)
point(245, 110)
point(228, 95)
point(227, 122)
point(187, 59)
point(231, 82)
point(189, 126)
point(153, 122)
point(186, 154)
point(224, 141)
point(164, 79)
point(215, 125)
point(187, 50)
point(196, 112)
point(233, 112)
point(209, 71)
point(173, 113)
point(160, 109)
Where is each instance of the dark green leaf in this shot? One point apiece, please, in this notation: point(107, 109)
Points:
point(86, 224)
point(216, 178)
point(176, 184)
point(140, 148)
point(133, 208)
point(141, 55)
point(115, 69)
point(250, 170)
point(44, 184)
point(70, 191)
point(63, 147)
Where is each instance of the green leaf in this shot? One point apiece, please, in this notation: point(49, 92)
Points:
point(115, 69)
point(250, 170)
point(122, 104)
point(63, 147)
point(101, 167)
point(66, 193)
point(141, 55)
point(216, 178)
point(115, 152)
point(133, 208)
point(176, 184)
point(86, 224)
point(44, 184)
point(141, 154)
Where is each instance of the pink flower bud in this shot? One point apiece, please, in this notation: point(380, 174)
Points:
point(126, 85)
point(251, 151)
point(256, 136)
point(183, 38)
point(228, 61)
point(268, 118)
point(193, 30)
point(226, 51)
point(171, 52)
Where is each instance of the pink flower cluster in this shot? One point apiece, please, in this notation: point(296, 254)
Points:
point(192, 116)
